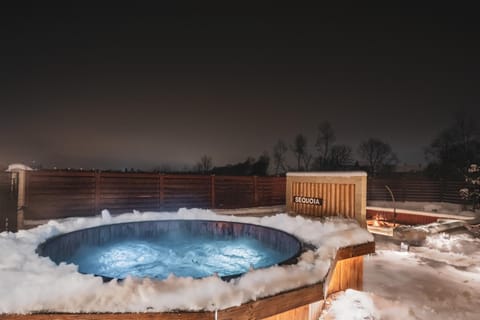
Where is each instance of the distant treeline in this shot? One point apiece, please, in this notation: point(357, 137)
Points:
point(448, 155)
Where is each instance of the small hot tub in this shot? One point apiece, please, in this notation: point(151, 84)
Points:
point(184, 248)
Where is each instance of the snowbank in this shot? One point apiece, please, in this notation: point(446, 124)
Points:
point(357, 305)
point(439, 280)
point(35, 284)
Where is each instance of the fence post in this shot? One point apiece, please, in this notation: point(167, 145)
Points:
point(22, 196)
point(161, 190)
point(404, 189)
point(442, 189)
point(212, 191)
point(97, 191)
point(255, 191)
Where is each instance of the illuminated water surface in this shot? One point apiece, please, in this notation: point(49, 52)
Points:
point(182, 256)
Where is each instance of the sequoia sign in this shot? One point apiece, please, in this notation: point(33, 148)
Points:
point(308, 200)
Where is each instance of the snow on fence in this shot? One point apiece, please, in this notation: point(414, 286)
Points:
point(59, 194)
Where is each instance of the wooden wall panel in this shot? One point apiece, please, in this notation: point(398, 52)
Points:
point(338, 199)
point(271, 191)
point(234, 192)
point(59, 194)
point(187, 191)
point(415, 189)
point(52, 194)
point(348, 274)
point(120, 192)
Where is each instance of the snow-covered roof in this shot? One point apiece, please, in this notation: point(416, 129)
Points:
point(24, 275)
point(328, 174)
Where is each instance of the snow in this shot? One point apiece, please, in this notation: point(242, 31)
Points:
point(357, 305)
point(343, 174)
point(18, 167)
point(439, 280)
point(35, 284)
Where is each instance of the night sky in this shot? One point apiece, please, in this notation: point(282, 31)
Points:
point(118, 87)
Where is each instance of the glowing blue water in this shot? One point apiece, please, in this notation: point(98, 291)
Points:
point(186, 256)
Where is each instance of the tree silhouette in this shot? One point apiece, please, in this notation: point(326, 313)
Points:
point(302, 155)
point(340, 157)
point(260, 167)
point(378, 154)
point(454, 148)
point(279, 157)
point(248, 167)
point(325, 139)
point(307, 160)
point(204, 165)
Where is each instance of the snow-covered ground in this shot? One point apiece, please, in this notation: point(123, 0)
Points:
point(439, 280)
point(30, 283)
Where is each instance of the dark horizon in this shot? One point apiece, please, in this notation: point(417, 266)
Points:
point(145, 86)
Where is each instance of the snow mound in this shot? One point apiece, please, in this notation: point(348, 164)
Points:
point(357, 305)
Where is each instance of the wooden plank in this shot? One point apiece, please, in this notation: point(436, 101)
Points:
point(347, 274)
point(60, 173)
point(274, 305)
point(297, 313)
point(212, 192)
point(114, 316)
point(123, 175)
point(263, 308)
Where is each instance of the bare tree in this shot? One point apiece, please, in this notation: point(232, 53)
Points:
point(325, 140)
point(279, 157)
point(454, 148)
point(378, 154)
point(205, 164)
point(340, 156)
point(307, 160)
point(299, 148)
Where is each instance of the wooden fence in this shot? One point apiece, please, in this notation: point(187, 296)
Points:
point(58, 194)
point(421, 190)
